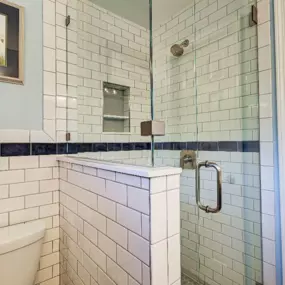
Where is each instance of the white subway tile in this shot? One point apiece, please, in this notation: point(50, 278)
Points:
point(13, 176)
point(103, 278)
point(268, 226)
point(159, 272)
point(49, 35)
point(4, 191)
point(116, 273)
point(107, 208)
point(49, 59)
point(146, 226)
point(88, 182)
point(267, 178)
point(49, 260)
point(269, 273)
point(146, 275)
point(38, 200)
point(4, 220)
point(23, 162)
point(268, 253)
point(117, 233)
point(132, 281)
point(38, 174)
point(93, 218)
point(173, 182)
point(116, 192)
point(48, 161)
point(138, 199)
point(90, 233)
point(49, 12)
point(11, 204)
point(128, 179)
point(174, 258)
point(83, 274)
point(49, 210)
point(99, 257)
point(49, 185)
point(53, 281)
point(145, 183)
point(129, 263)
point(107, 245)
point(129, 218)
point(173, 212)
point(22, 216)
point(51, 234)
point(43, 275)
point(4, 163)
point(110, 175)
point(158, 184)
point(139, 247)
point(90, 266)
point(79, 194)
point(49, 83)
point(268, 202)
point(158, 218)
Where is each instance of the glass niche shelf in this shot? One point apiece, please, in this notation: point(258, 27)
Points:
point(116, 110)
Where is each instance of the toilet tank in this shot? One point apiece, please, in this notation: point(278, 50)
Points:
point(20, 250)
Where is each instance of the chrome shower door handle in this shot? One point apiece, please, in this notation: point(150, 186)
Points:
point(208, 209)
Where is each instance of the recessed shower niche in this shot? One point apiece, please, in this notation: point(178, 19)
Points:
point(116, 110)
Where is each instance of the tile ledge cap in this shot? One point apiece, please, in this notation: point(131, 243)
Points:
point(136, 170)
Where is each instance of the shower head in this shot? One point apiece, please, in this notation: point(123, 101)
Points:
point(178, 50)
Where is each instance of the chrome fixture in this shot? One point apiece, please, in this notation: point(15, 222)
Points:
point(178, 50)
point(208, 209)
point(188, 159)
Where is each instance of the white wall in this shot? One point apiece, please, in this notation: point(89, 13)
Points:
point(21, 106)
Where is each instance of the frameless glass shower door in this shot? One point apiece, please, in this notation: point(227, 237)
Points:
point(206, 91)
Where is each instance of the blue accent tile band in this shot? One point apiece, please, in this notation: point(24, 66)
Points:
point(25, 149)
point(15, 149)
point(44, 148)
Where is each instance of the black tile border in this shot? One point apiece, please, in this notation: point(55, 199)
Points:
point(15, 149)
point(25, 149)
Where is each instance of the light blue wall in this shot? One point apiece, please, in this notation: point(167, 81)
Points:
point(21, 106)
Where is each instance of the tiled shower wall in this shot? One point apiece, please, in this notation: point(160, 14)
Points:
point(110, 49)
point(221, 248)
point(29, 191)
point(226, 108)
point(226, 74)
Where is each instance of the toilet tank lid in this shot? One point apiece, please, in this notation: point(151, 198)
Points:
point(16, 237)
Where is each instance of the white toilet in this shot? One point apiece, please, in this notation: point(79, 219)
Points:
point(20, 250)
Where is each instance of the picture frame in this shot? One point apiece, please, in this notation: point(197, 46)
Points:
point(11, 43)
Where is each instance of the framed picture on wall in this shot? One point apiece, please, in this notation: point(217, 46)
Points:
point(11, 42)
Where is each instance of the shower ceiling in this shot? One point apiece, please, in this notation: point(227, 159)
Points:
point(137, 10)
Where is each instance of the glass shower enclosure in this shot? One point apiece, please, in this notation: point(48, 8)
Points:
point(205, 89)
